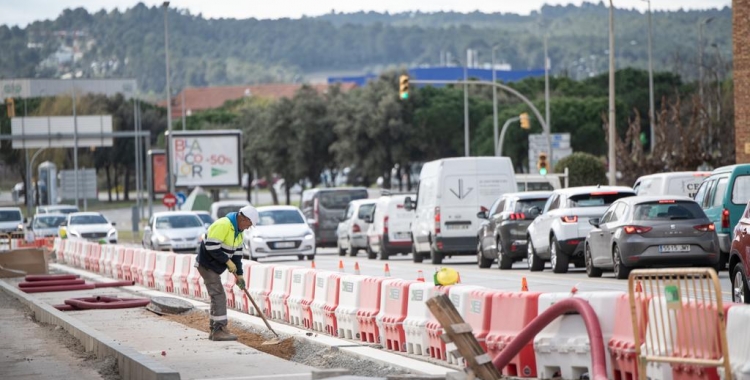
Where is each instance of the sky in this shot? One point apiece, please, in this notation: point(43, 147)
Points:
point(23, 12)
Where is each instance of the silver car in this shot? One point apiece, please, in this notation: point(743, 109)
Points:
point(173, 231)
point(46, 225)
point(281, 231)
point(650, 231)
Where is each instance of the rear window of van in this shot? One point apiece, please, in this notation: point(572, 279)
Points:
point(741, 190)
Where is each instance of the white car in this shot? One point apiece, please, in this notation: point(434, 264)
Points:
point(558, 234)
point(281, 231)
point(90, 226)
point(57, 209)
point(173, 231)
point(11, 220)
point(388, 233)
point(351, 233)
point(673, 183)
point(46, 225)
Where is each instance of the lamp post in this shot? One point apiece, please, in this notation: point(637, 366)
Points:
point(494, 99)
point(651, 107)
point(546, 96)
point(701, 24)
point(611, 123)
point(170, 180)
point(466, 106)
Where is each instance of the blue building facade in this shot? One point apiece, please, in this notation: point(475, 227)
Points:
point(447, 73)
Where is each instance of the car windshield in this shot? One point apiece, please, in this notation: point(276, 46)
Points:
point(535, 186)
point(10, 216)
point(340, 199)
point(668, 210)
point(224, 210)
point(596, 199)
point(272, 217)
point(47, 222)
point(177, 221)
point(525, 205)
point(88, 219)
point(205, 218)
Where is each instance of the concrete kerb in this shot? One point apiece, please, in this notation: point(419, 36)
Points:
point(406, 363)
point(130, 363)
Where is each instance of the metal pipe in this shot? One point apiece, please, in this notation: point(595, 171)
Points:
point(114, 284)
point(466, 107)
point(611, 122)
point(499, 146)
point(50, 277)
point(169, 91)
point(75, 141)
point(546, 99)
point(60, 288)
point(494, 100)
point(36, 284)
point(651, 107)
point(593, 328)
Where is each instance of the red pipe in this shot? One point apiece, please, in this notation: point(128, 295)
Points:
point(61, 288)
point(35, 284)
point(87, 303)
point(594, 330)
point(114, 284)
point(50, 277)
point(64, 307)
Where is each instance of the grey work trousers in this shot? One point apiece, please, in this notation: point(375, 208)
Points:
point(218, 316)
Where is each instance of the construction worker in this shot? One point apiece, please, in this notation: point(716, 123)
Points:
point(222, 250)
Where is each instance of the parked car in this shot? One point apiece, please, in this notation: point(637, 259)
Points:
point(388, 232)
point(46, 225)
point(91, 226)
point(674, 183)
point(205, 217)
point(351, 233)
point(220, 209)
point(645, 231)
point(56, 209)
point(723, 197)
point(451, 192)
point(558, 234)
point(324, 208)
point(173, 231)
point(502, 236)
point(739, 259)
point(537, 182)
point(281, 231)
point(11, 220)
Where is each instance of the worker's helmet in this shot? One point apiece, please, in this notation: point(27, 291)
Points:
point(251, 213)
point(446, 276)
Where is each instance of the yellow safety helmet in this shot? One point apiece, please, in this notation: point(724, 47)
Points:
point(447, 276)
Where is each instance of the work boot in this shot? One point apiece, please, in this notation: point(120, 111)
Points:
point(221, 334)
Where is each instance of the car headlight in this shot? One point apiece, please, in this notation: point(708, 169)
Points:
point(309, 236)
point(112, 232)
point(257, 239)
point(74, 233)
point(162, 239)
point(20, 227)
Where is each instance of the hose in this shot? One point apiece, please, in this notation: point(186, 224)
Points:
point(101, 302)
point(50, 277)
point(114, 284)
point(35, 284)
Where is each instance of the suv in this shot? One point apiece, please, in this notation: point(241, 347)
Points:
point(503, 235)
point(558, 234)
point(324, 208)
point(739, 259)
point(723, 197)
point(352, 230)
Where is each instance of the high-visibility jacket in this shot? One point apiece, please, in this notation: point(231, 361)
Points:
point(223, 242)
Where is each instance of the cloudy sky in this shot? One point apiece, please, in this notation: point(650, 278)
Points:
point(22, 12)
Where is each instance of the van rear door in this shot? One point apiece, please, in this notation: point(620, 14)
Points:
point(463, 196)
point(399, 220)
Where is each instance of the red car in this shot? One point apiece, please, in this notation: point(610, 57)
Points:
point(739, 259)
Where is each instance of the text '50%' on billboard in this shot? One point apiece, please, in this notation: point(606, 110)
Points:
point(205, 158)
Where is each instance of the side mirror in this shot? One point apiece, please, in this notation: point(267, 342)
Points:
point(113, 224)
point(25, 220)
point(409, 204)
point(594, 222)
point(482, 215)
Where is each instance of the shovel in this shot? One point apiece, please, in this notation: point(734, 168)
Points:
point(272, 341)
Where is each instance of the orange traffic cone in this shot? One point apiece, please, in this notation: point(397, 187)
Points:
point(458, 281)
point(341, 266)
point(638, 287)
point(574, 289)
point(420, 276)
point(356, 268)
point(524, 285)
point(312, 264)
point(387, 270)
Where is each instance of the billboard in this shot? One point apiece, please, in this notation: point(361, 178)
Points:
point(52, 129)
point(158, 171)
point(205, 158)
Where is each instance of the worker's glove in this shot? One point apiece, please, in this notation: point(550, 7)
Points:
point(240, 283)
point(232, 268)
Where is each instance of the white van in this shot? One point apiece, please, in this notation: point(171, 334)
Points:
point(675, 183)
point(389, 233)
point(537, 182)
point(220, 209)
point(450, 194)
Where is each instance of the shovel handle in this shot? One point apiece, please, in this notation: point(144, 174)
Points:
point(257, 309)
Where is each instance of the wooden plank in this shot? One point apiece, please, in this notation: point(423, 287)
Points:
point(466, 343)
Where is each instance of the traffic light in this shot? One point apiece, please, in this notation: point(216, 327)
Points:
point(525, 124)
point(10, 103)
point(403, 87)
point(541, 163)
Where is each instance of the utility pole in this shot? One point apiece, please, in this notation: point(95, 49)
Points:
point(700, 76)
point(183, 110)
point(466, 106)
point(494, 100)
point(651, 107)
point(546, 96)
point(75, 141)
point(611, 123)
point(170, 180)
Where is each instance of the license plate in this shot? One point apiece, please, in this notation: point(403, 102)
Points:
point(674, 248)
point(285, 244)
point(457, 226)
point(402, 235)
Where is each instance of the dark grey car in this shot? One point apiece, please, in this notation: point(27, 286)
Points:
point(650, 231)
point(502, 236)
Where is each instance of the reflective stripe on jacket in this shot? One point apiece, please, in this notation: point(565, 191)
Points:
point(222, 243)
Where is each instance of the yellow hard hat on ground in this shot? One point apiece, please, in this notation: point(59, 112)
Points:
point(447, 276)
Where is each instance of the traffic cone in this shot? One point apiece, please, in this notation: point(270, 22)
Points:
point(524, 285)
point(387, 270)
point(458, 281)
point(420, 276)
point(341, 266)
point(574, 289)
point(638, 287)
point(356, 268)
point(312, 264)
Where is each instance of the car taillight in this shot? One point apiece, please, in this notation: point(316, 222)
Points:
point(570, 219)
point(705, 227)
point(355, 228)
point(385, 225)
point(630, 230)
point(725, 219)
point(517, 216)
point(437, 220)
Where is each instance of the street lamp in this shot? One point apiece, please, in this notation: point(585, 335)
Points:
point(611, 123)
point(170, 181)
point(651, 107)
point(494, 99)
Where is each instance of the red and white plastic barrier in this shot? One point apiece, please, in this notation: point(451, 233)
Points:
point(164, 269)
point(395, 297)
point(301, 296)
point(240, 299)
point(417, 316)
point(370, 299)
point(525, 307)
point(325, 301)
point(261, 283)
point(282, 286)
point(350, 299)
point(738, 319)
point(148, 268)
point(459, 296)
point(182, 266)
point(436, 349)
point(193, 280)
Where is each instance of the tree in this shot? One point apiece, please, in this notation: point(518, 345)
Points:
point(584, 169)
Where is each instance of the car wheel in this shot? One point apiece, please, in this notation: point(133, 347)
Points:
point(352, 249)
point(342, 252)
point(300, 257)
point(435, 256)
point(416, 256)
point(481, 260)
point(621, 270)
point(532, 259)
point(591, 270)
point(503, 261)
point(740, 290)
point(559, 260)
point(370, 253)
point(311, 257)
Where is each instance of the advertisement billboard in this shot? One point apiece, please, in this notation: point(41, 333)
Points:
point(206, 158)
point(159, 171)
